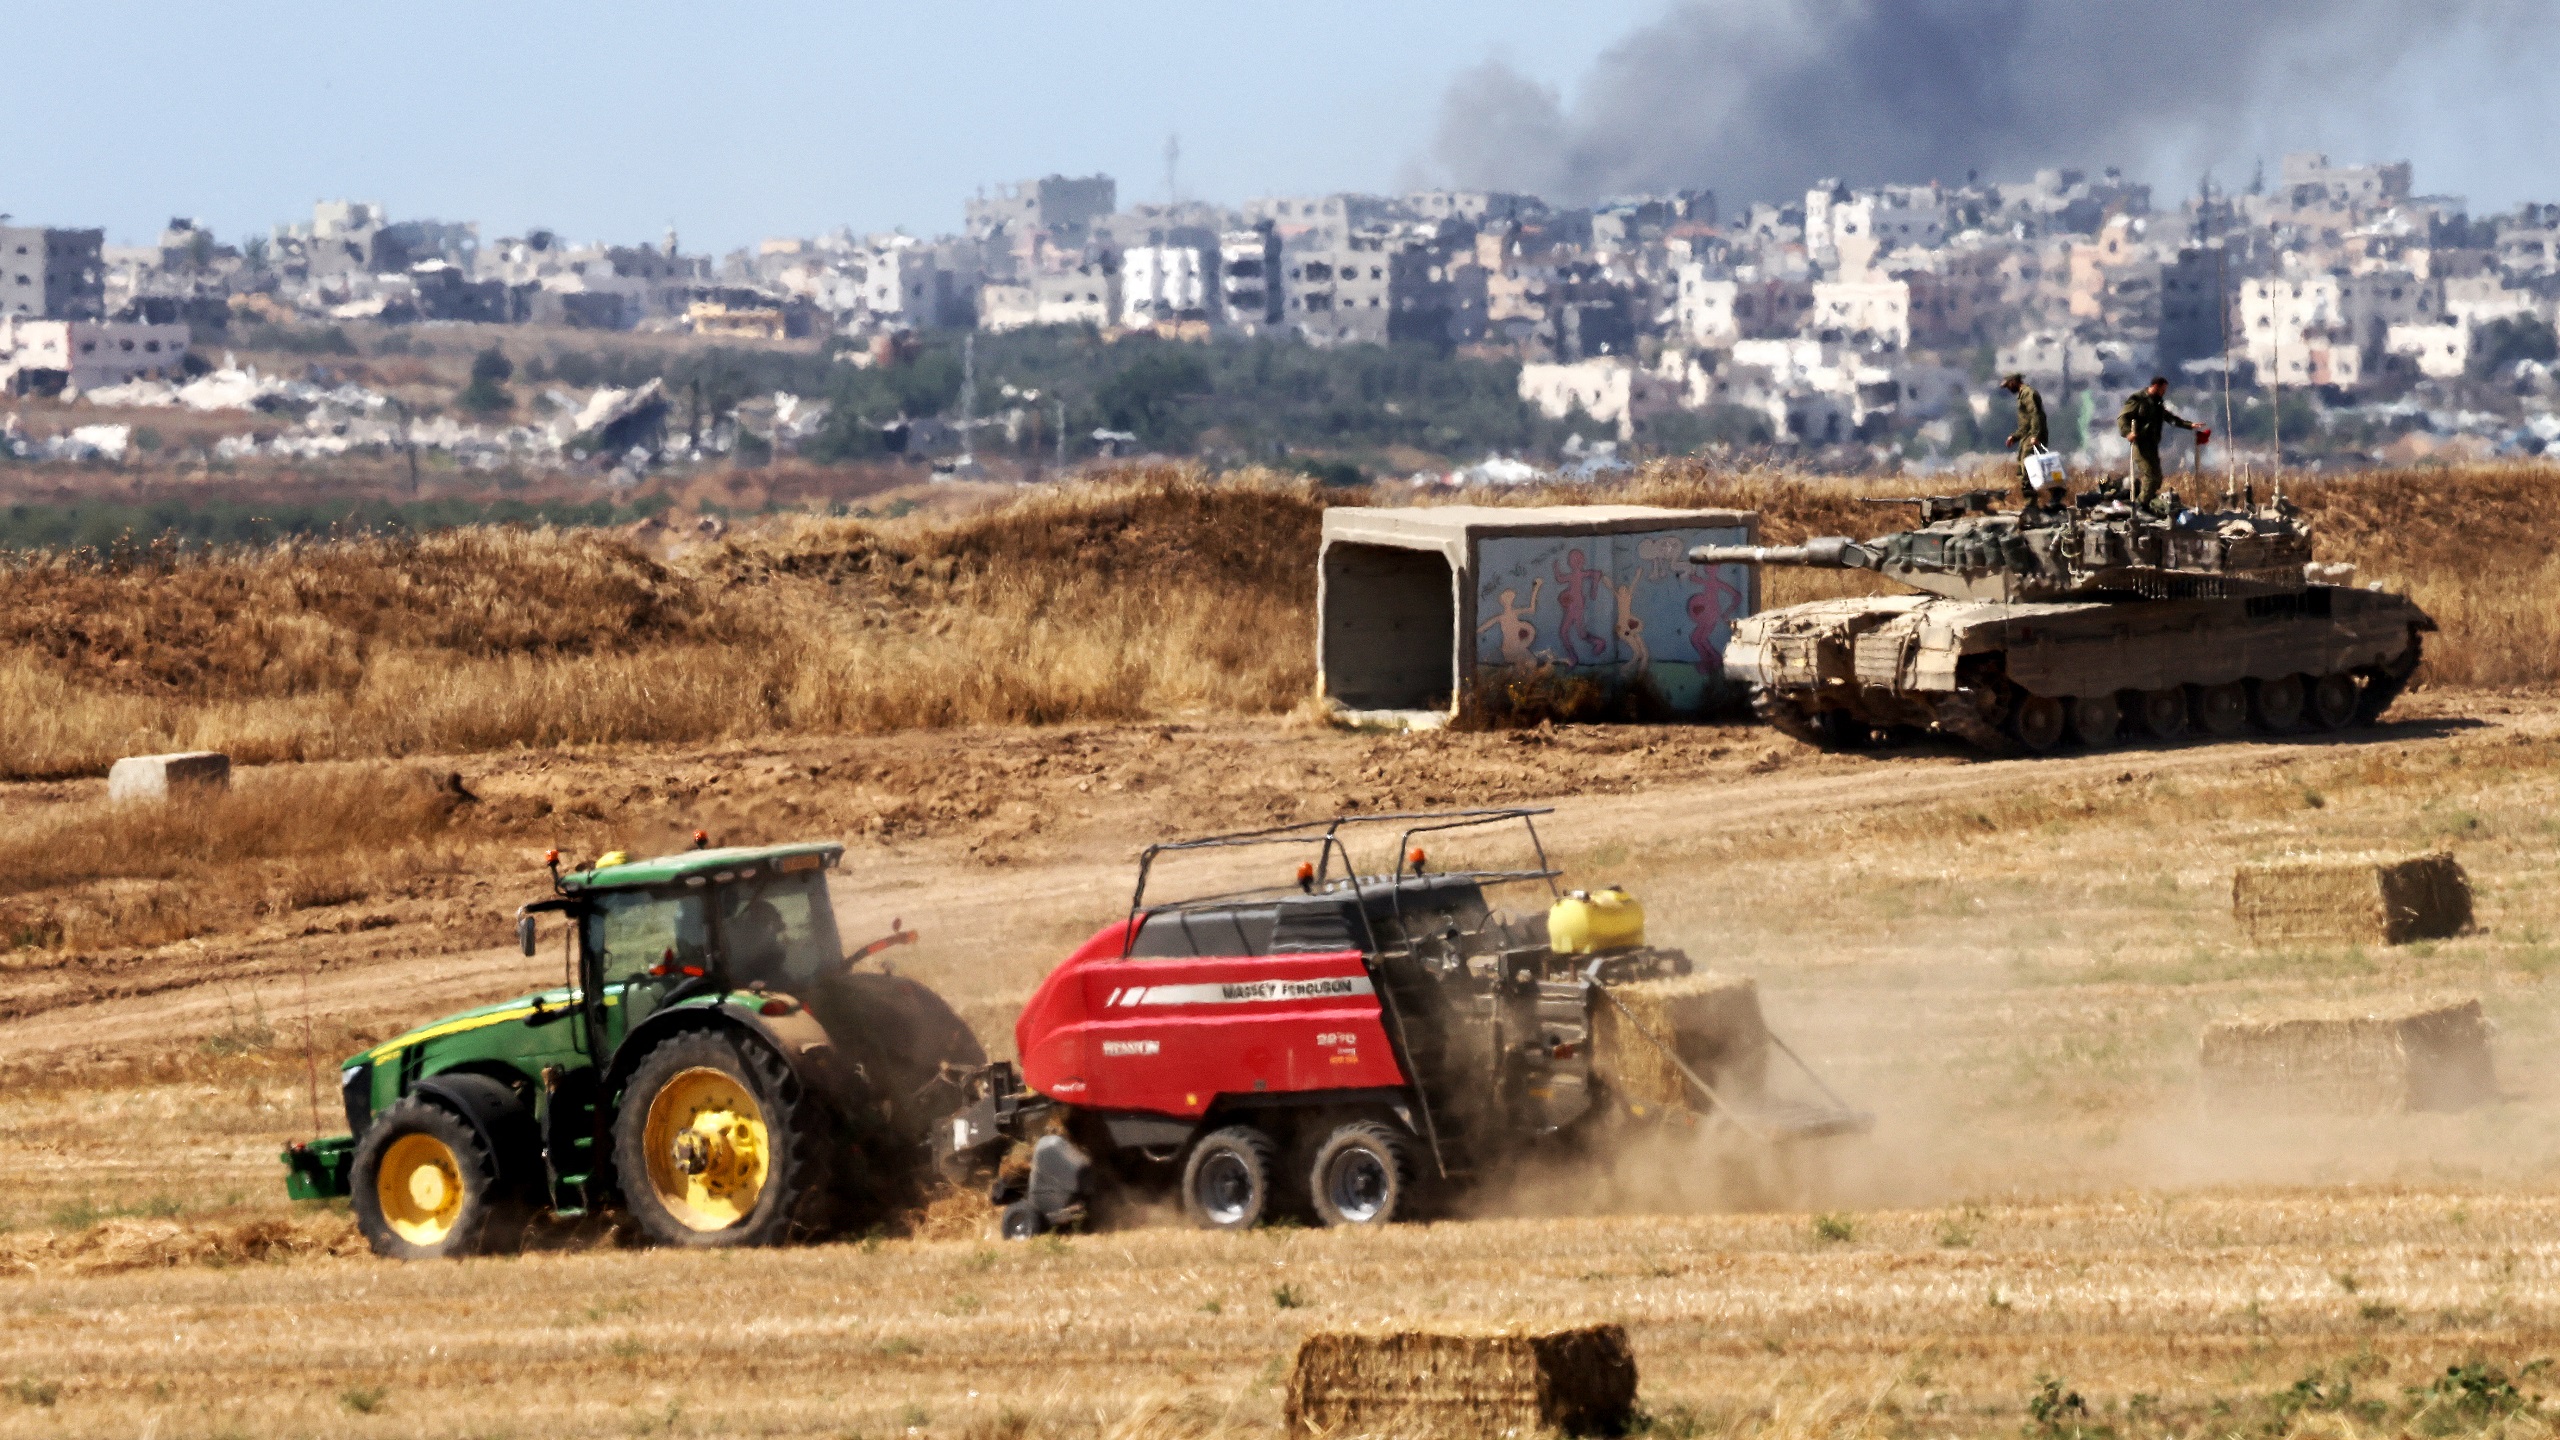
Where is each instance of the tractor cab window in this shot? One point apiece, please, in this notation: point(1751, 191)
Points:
point(778, 929)
point(637, 931)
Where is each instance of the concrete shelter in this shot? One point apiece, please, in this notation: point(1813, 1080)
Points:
point(1416, 605)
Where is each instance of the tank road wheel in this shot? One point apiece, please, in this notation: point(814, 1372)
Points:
point(2275, 706)
point(718, 1145)
point(1363, 1175)
point(2222, 711)
point(2164, 713)
point(2331, 705)
point(426, 1189)
point(2095, 720)
point(1228, 1182)
point(2036, 722)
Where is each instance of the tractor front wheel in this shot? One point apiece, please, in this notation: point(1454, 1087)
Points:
point(427, 1189)
point(1364, 1174)
point(718, 1145)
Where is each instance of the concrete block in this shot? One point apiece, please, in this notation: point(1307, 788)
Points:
point(159, 777)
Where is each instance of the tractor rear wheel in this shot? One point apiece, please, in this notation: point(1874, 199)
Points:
point(1364, 1174)
point(717, 1144)
point(1228, 1182)
point(427, 1189)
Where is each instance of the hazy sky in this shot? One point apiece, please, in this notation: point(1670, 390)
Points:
point(736, 121)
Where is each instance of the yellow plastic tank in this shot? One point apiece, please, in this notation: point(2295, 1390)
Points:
point(1586, 922)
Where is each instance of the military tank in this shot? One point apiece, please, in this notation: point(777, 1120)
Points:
point(2037, 628)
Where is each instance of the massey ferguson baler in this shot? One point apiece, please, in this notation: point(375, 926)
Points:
point(1356, 1045)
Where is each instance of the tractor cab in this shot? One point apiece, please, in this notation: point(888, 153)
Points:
point(711, 1063)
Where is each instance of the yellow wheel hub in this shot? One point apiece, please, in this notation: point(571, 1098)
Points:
point(707, 1148)
point(420, 1187)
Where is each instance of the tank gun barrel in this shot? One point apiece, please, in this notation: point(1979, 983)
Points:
point(1830, 552)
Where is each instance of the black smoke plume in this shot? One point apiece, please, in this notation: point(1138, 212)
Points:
point(1757, 98)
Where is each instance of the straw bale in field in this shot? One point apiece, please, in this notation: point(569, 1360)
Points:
point(1713, 1021)
point(2426, 1057)
point(1467, 1382)
point(2377, 899)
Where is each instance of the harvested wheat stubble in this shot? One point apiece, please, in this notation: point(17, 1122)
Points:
point(1713, 1021)
point(112, 1246)
point(2427, 1057)
point(2378, 899)
point(1462, 1382)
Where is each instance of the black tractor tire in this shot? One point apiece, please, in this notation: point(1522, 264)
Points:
point(1365, 1173)
point(1231, 1180)
point(715, 1107)
point(425, 1188)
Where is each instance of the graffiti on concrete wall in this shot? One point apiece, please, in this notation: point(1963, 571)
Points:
point(1624, 605)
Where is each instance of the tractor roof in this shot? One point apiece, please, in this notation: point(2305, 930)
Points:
point(728, 863)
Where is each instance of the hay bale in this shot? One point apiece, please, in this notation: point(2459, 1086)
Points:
point(2426, 1057)
point(1712, 1021)
point(2373, 899)
point(1481, 1382)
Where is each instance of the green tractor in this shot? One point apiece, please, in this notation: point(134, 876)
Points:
point(715, 1067)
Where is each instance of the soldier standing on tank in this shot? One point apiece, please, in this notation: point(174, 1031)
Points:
point(2145, 411)
point(2030, 434)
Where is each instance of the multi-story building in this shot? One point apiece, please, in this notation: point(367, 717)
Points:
point(50, 274)
point(1052, 202)
point(1249, 290)
point(49, 356)
point(1165, 283)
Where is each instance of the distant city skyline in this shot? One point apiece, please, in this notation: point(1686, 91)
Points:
point(792, 119)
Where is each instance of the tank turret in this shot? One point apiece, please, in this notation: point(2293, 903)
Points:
point(2038, 627)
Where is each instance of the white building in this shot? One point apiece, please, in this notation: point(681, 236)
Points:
point(2440, 352)
point(1873, 312)
point(1162, 282)
point(1610, 390)
point(87, 354)
point(2327, 329)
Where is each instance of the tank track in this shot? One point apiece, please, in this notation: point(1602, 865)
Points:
point(1783, 717)
point(1961, 717)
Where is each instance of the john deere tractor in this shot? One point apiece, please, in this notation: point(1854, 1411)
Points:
point(714, 1066)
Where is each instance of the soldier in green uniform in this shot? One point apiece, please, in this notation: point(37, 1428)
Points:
point(2030, 434)
point(2145, 411)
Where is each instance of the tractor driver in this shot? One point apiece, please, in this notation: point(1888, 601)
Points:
point(758, 943)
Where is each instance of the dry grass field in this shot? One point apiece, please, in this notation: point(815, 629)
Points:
point(2053, 1232)
point(1153, 596)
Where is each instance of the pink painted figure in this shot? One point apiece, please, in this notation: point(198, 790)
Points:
point(1709, 604)
point(1576, 583)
